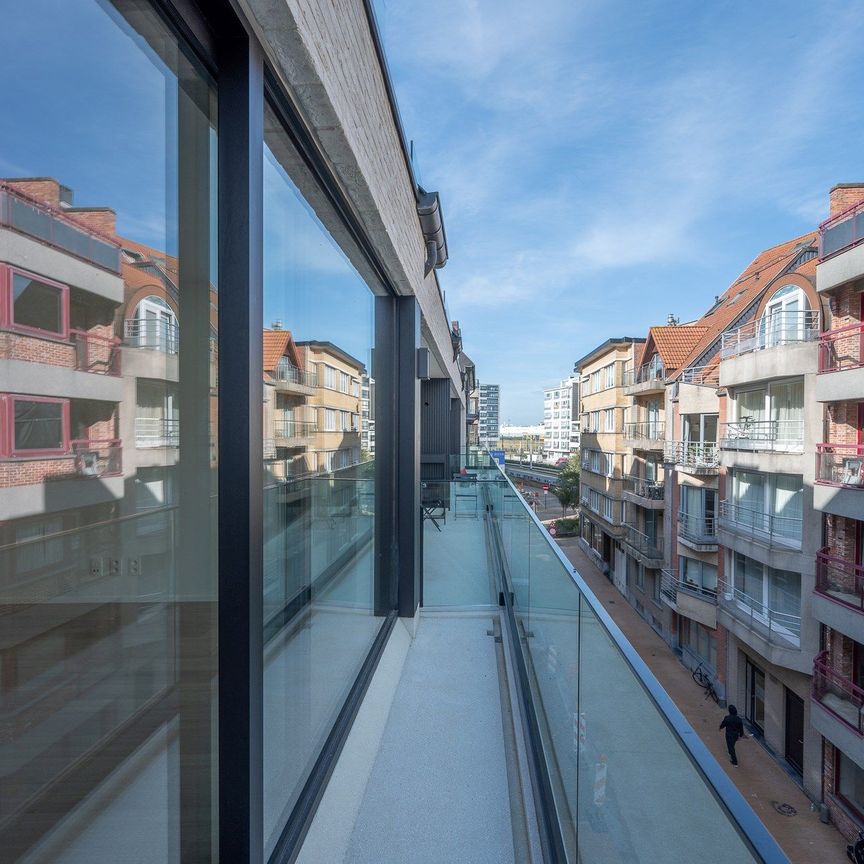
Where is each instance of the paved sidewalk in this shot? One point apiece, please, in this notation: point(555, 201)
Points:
point(758, 777)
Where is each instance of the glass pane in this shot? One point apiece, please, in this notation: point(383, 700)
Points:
point(108, 579)
point(319, 477)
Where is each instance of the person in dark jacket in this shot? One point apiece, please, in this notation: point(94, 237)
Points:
point(734, 727)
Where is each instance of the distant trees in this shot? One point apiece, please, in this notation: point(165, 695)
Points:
point(567, 487)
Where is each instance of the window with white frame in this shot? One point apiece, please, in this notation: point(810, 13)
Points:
point(609, 420)
point(595, 381)
point(698, 575)
point(609, 376)
point(329, 377)
point(344, 381)
point(329, 421)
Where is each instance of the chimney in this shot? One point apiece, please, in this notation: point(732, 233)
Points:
point(44, 189)
point(843, 196)
point(101, 219)
point(277, 324)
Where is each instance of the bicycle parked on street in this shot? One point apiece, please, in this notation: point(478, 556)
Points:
point(703, 678)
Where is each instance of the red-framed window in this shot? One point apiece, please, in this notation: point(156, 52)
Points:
point(34, 426)
point(33, 304)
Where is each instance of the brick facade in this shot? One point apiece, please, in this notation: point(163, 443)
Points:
point(843, 196)
point(840, 815)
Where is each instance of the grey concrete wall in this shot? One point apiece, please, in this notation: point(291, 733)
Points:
point(784, 361)
point(41, 379)
point(840, 269)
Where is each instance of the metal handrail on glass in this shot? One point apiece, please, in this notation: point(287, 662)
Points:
point(842, 348)
point(841, 232)
point(774, 329)
point(774, 625)
point(293, 375)
point(840, 465)
point(838, 694)
point(295, 428)
point(768, 528)
point(645, 374)
point(840, 580)
point(749, 434)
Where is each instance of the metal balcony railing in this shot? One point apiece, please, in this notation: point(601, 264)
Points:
point(775, 435)
point(771, 331)
point(152, 333)
point(701, 376)
point(766, 528)
point(645, 430)
point(157, 432)
point(653, 490)
point(669, 586)
point(54, 228)
point(840, 580)
point(840, 465)
point(648, 547)
point(98, 457)
point(776, 627)
point(842, 348)
point(295, 428)
point(693, 456)
point(647, 374)
point(838, 694)
point(293, 375)
point(697, 528)
point(841, 232)
point(94, 353)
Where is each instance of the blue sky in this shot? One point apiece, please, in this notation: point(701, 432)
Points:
point(604, 163)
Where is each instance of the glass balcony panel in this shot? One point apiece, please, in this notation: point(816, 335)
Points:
point(840, 465)
point(842, 348)
point(774, 329)
point(840, 580)
point(838, 694)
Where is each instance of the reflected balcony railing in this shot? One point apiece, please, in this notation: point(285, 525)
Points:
point(574, 670)
point(840, 465)
point(697, 527)
point(840, 580)
point(153, 334)
point(648, 547)
point(652, 490)
point(841, 232)
point(693, 456)
point(775, 626)
point(842, 348)
point(646, 430)
point(98, 457)
point(54, 228)
point(96, 354)
point(838, 694)
point(770, 435)
point(768, 529)
point(773, 330)
point(157, 432)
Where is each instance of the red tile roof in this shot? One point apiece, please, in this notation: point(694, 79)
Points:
point(279, 343)
point(672, 343)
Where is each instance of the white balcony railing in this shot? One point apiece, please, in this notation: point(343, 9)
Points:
point(692, 456)
point(769, 529)
point(152, 333)
point(157, 432)
point(772, 330)
point(773, 435)
point(776, 626)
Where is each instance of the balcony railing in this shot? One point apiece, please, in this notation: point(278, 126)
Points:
point(648, 547)
point(841, 232)
point(293, 375)
point(766, 528)
point(778, 628)
point(838, 694)
point(653, 490)
point(152, 333)
point(702, 376)
point(647, 374)
point(771, 331)
point(692, 456)
point(94, 353)
point(296, 428)
point(775, 435)
point(50, 226)
point(840, 580)
point(697, 528)
point(98, 458)
point(671, 584)
point(645, 430)
point(842, 348)
point(840, 465)
point(157, 432)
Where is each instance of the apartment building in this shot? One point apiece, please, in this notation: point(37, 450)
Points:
point(489, 423)
point(602, 408)
point(561, 419)
point(367, 417)
point(837, 711)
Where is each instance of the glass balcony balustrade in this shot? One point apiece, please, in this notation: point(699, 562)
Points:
point(842, 348)
point(773, 330)
point(841, 232)
point(840, 580)
point(605, 735)
point(840, 465)
point(747, 433)
point(838, 694)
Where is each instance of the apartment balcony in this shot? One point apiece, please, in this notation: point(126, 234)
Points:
point(692, 458)
point(838, 599)
point(766, 529)
point(775, 634)
point(774, 346)
point(647, 550)
point(701, 376)
point(841, 255)
point(294, 433)
point(838, 708)
point(157, 432)
point(697, 532)
point(645, 435)
point(644, 380)
point(290, 379)
point(769, 436)
point(644, 493)
point(839, 479)
point(688, 599)
point(841, 364)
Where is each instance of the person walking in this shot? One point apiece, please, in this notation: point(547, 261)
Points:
point(734, 727)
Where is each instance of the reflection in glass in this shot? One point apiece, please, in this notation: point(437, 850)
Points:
point(318, 478)
point(107, 506)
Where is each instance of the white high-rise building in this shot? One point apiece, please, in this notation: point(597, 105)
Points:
point(561, 419)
